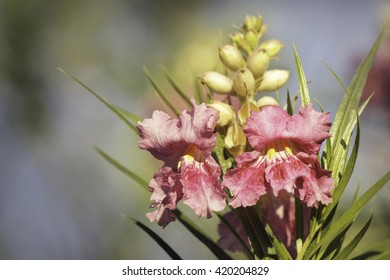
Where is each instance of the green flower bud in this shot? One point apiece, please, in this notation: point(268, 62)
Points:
point(258, 62)
point(231, 57)
point(272, 47)
point(265, 101)
point(252, 39)
point(243, 82)
point(217, 82)
point(250, 23)
point(273, 80)
point(226, 112)
point(239, 41)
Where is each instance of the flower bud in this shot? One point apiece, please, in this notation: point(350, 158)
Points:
point(243, 82)
point(273, 80)
point(250, 23)
point(272, 47)
point(217, 82)
point(258, 63)
point(239, 41)
point(252, 39)
point(231, 57)
point(265, 101)
point(226, 112)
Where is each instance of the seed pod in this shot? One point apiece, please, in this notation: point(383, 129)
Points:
point(273, 80)
point(258, 62)
point(231, 57)
point(217, 82)
point(265, 101)
point(272, 47)
point(226, 112)
point(243, 82)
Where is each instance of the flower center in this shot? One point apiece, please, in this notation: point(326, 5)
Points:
point(192, 153)
point(279, 149)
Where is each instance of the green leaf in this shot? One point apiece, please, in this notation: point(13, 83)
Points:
point(160, 92)
point(198, 91)
point(290, 110)
point(168, 249)
point(305, 96)
point(280, 249)
point(350, 214)
point(127, 114)
point(339, 189)
point(375, 252)
point(345, 118)
point(202, 237)
point(176, 86)
point(105, 102)
point(122, 168)
point(347, 250)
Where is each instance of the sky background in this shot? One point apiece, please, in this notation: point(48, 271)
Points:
point(58, 198)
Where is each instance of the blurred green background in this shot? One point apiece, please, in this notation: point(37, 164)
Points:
point(58, 198)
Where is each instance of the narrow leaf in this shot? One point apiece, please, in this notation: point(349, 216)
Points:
point(122, 168)
point(280, 249)
point(202, 237)
point(375, 251)
point(168, 249)
point(105, 102)
point(127, 114)
point(176, 86)
point(290, 110)
point(159, 92)
point(350, 214)
point(305, 96)
point(343, 123)
point(347, 250)
point(198, 91)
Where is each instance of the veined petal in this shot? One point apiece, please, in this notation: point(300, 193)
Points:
point(307, 130)
point(246, 180)
point(197, 127)
point(167, 191)
point(160, 136)
point(317, 185)
point(201, 188)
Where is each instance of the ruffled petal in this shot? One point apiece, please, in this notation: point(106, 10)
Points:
point(317, 186)
point(283, 174)
point(197, 127)
point(160, 135)
point(307, 130)
point(246, 180)
point(201, 188)
point(227, 240)
point(167, 191)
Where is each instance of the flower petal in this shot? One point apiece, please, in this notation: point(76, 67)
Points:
point(160, 136)
point(246, 180)
point(201, 188)
point(197, 127)
point(317, 186)
point(307, 130)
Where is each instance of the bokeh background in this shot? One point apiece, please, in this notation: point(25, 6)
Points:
point(59, 199)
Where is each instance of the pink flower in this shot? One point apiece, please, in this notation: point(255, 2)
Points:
point(284, 158)
point(189, 173)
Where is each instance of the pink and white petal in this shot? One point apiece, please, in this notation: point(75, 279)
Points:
point(162, 215)
point(309, 129)
point(283, 174)
point(246, 180)
point(266, 126)
point(227, 240)
point(201, 188)
point(317, 186)
point(160, 136)
point(197, 127)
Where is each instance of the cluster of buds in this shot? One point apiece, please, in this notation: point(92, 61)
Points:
point(247, 61)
